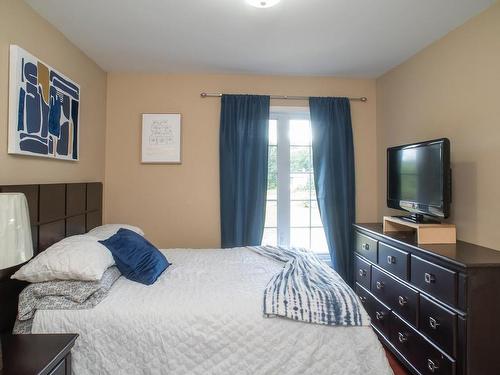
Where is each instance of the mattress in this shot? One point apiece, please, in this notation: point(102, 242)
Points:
point(204, 316)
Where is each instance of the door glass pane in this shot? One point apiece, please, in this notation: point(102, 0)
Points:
point(318, 241)
point(271, 214)
point(300, 132)
point(273, 132)
point(300, 159)
point(270, 237)
point(272, 173)
point(315, 216)
point(299, 213)
point(299, 237)
point(313, 188)
point(300, 186)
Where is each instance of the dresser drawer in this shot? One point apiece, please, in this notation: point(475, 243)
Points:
point(363, 272)
point(438, 324)
point(364, 296)
point(366, 246)
point(435, 280)
point(423, 355)
point(379, 314)
point(402, 299)
point(393, 260)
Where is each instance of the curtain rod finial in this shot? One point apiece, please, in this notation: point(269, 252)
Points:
point(364, 99)
point(203, 94)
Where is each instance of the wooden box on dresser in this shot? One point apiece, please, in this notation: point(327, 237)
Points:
point(436, 307)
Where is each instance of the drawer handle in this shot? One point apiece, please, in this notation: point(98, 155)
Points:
point(362, 299)
point(391, 259)
point(402, 337)
point(432, 365)
point(433, 323)
point(380, 285)
point(365, 246)
point(429, 278)
point(362, 272)
point(380, 315)
point(402, 301)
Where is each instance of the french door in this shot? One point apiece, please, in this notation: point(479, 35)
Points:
point(292, 214)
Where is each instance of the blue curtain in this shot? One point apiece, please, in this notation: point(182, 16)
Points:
point(333, 165)
point(244, 123)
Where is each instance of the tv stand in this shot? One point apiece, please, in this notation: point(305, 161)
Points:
point(427, 233)
point(418, 219)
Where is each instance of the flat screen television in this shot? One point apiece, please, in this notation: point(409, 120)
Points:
point(419, 179)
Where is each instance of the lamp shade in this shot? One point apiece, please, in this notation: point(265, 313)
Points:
point(16, 246)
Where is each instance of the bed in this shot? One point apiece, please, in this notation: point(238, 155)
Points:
point(204, 316)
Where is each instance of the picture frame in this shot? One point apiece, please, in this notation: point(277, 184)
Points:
point(44, 109)
point(161, 138)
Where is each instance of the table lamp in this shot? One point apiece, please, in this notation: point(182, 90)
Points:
point(16, 246)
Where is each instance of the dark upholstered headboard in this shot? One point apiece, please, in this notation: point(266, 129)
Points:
point(56, 211)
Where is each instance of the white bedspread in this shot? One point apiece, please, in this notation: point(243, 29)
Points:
point(204, 316)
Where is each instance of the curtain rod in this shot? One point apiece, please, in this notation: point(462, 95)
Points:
point(363, 99)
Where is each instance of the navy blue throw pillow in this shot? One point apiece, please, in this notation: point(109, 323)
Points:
point(136, 258)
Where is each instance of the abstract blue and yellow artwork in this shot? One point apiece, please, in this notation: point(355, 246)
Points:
point(44, 109)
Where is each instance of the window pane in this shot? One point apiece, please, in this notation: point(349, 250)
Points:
point(315, 216)
point(271, 214)
point(299, 237)
point(273, 132)
point(300, 159)
point(299, 213)
point(300, 133)
point(318, 241)
point(301, 187)
point(270, 237)
point(313, 188)
point(272, 173)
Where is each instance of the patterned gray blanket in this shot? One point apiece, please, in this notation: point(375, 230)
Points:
point(61, 295)
point(308, 290)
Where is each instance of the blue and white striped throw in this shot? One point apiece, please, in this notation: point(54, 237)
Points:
point(308, 290)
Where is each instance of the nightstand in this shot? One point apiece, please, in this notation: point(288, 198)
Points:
point(37, 354)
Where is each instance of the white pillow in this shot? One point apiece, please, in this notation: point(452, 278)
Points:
point(105, 231)
point(73, 258)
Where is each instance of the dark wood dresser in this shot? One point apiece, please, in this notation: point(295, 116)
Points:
point(436, 307)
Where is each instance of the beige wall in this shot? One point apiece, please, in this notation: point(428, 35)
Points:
point(178, 205)
point(19, 24)
point(452, 89)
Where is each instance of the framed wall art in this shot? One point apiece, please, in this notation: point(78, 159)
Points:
point(161, 138)
point(44, 109)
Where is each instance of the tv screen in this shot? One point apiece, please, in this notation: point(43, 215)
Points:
point(418, 177)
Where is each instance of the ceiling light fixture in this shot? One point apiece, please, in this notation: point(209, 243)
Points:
point(263, 3)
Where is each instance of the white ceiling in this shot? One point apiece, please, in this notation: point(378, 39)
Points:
point(357, 38)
